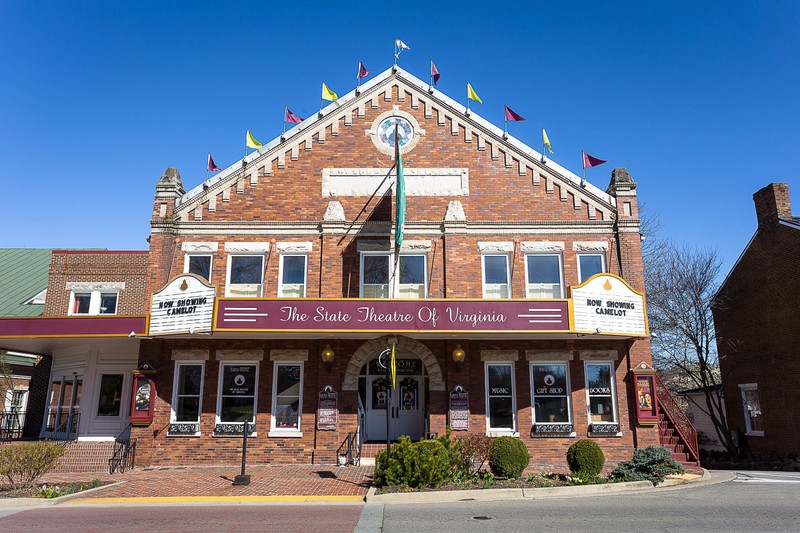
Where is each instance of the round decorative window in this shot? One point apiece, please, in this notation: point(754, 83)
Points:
point(386, 132)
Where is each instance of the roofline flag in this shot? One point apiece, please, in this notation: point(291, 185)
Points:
point(472, 95)
point(328, 94)
point(399, 46)
point(251, 141)
point(510, 115)
point(434, 75)
point(589, 161)
point(362, 71)
point(546, 141)
point(212, 167)
point(291, 118)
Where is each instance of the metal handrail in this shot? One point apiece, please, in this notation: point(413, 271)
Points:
point(124, 457)
point(12, 424)
point(671, 408)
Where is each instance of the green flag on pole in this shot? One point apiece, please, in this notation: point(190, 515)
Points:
point(400, 193)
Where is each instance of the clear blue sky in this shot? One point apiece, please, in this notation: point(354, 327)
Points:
point(699, 100)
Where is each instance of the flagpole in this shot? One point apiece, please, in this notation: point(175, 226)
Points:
point(358, 79)
point(207, 164)
point(430, 82)
point(394, 66)
point(285, 114)
point(583, 166)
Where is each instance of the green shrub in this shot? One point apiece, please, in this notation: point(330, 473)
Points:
point(509, 457)
point(427, 463)
point(585, 456)
point(23, 463)
point(475, 451)
point(653, 463)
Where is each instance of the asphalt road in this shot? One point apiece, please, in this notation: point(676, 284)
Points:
point(755, 501)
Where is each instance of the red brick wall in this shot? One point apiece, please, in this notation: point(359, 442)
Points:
point(758, 336)
point(97, 267)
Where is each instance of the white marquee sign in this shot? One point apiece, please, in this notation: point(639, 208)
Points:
point(185, 305)
point(606, 304)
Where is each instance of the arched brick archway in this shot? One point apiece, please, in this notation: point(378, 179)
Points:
point(367, 350)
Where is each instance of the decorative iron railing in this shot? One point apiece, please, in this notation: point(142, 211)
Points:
point(349, 453)
point(124, 457)
point(11, 425)
point(681, 423)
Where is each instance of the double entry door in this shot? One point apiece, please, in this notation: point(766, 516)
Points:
point(405, 404)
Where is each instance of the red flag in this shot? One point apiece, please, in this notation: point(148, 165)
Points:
point(362, 71)
point(589, 161)
point(211, 165)
point(434, 73)
point(510, 115)
point(291, 117)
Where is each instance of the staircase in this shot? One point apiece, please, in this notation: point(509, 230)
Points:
point(676, 432)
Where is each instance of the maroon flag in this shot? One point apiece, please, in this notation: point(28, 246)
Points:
point(211, 165)
point(434, 73)
point(589, 161)
point(510, 115)
point(362, 71)
point(291, 117)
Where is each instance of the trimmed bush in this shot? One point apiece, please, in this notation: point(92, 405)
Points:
point(509, 457)
point(653, 463)
point(427, 463)
point(585, 456)
point(23, 463)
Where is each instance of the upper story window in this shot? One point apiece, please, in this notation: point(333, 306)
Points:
point(245, 275)
point(495, 276)
point(199, 258)
point(411, 276)
point(93, 298)
point(375, 274)
point(590, 264)
point(292, 275)
point(543, 276)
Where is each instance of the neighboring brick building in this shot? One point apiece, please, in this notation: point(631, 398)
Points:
point(513, 302)
point(757, 331)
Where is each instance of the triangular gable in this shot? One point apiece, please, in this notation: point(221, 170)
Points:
point(301, 137)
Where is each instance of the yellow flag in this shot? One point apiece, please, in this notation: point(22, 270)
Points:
point(546, 140)
point(472, 95)
point(394, 370)
point(251, 141)
point(327, 94)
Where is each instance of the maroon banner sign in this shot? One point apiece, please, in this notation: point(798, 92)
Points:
point(394, 315)
point(120, 326)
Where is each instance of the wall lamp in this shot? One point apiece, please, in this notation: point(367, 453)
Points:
point(458, 357)
point(327, 357)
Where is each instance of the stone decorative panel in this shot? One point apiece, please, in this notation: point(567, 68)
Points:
point(542, 246)
point(499, 355)
point(200, 246)
point(190, 354)
point(288, 355)
point(240, 355)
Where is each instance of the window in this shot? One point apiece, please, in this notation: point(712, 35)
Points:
point(375, 275)
point(500, 401)
point(292, 276)
point(411, 276)
point(238, 383)
point(600, 392)
point(110, 395)
point(543, 275)
point(589, 265)
point(550, 393)
point(287, 399)
point(187, 394)
point(93, 303)
point(199, 264)
point(495, 276)
point(245, 275)
point(753, 421)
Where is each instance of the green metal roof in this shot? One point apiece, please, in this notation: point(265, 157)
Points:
point(23, 275)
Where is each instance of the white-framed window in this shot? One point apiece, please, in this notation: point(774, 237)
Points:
point(199, 264)
point(245, 275)
point(590, 264)
point(287, 399)
point(495, 276)
point(753, 420)
point(109, 400)
point(412, 276)
point(93, 303)
point(237, 392)
point(550, 393)
point(601, 394)
point(375, 274)
point(544, 276)
point(293, 274)
point(187, 396)
point(501, 403)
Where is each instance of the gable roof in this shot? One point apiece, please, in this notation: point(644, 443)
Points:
point(515, 151)
point(23, 275)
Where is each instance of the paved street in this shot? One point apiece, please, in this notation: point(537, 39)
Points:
point(755, 501)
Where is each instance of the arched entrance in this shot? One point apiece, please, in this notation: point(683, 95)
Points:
point(403, 411)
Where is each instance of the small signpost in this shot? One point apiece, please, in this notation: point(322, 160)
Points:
point(459, 409)
point(243, 479)
point(327, 410)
